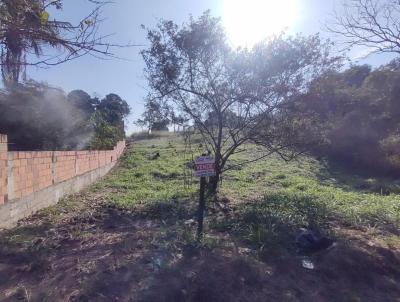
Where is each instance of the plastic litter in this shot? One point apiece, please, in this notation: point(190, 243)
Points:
point(308, 242)
point(306, 263)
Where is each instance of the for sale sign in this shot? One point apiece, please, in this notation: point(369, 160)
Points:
point(204, 166)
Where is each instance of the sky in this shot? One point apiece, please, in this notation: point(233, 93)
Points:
point(246, 21)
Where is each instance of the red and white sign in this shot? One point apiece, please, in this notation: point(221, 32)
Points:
point(204, 166)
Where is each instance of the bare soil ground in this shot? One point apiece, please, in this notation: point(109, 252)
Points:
point(87, 248)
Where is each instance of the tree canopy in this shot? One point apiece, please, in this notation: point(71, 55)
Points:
point(83, 101)
point(156, 117)
point(355, 116)
point(194, 68)
point(109, 121)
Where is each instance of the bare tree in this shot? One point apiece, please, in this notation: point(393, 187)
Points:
point(26, 29)
point(370, 23)
point(231, 95)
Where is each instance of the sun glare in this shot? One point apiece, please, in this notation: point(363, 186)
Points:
point(249, 21)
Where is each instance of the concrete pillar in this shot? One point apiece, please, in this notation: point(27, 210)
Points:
point(76, 163)
point(53, 167)
point(10, 176)
point(3, 169)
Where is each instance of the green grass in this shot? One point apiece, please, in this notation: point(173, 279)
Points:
point(137, 222)
point(154, 171)
point(270, 199)
point(339, 194)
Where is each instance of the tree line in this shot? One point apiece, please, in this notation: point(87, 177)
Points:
point(36, 116)
point(353, 117)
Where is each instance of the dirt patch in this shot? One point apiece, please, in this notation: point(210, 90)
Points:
point(107, 254)
point(343, 274)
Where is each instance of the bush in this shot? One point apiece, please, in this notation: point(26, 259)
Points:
point(391, 148)
point(105, 137)
point(354, 117)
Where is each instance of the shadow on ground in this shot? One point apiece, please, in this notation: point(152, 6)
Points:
point(351, 178)
point(103, 253)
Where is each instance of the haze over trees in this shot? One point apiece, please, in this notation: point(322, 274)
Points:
point(244, 92)
point(39, 117)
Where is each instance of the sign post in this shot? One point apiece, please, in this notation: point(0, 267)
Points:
point(204, 167)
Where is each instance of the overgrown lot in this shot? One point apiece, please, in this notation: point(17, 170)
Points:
point(130, 237)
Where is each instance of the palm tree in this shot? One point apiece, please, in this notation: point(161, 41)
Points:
point(26, 31)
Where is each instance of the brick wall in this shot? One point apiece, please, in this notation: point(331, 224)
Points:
point(24, 173)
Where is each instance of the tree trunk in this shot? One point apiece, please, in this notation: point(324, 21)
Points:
point(214, 181)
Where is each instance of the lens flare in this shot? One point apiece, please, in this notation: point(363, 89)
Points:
point(249, 21)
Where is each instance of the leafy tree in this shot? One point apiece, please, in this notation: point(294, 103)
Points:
point(356, 75)
point(113, 111)
point(354, 117)
point(160, 126)
point(105, 135)
point(194, 68)
point(177, 119)
point(83, 101)
point(155, 117)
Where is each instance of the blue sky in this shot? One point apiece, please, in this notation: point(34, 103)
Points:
point(124, 17)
